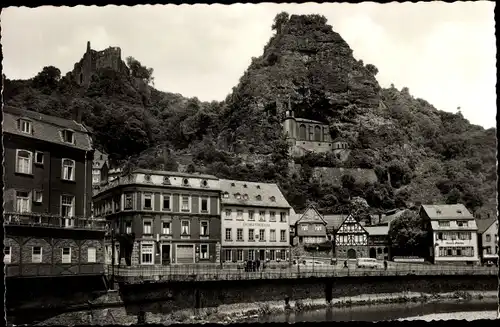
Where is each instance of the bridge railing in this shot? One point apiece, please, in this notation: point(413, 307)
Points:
point(215, 272)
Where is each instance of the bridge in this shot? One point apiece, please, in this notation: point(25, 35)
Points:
point(203, 273)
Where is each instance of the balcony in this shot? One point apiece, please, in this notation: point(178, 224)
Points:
point(52, 221)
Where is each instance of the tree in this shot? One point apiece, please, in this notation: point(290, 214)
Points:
point(47, 79)
point(372, 69)
point(137, 70)
point(409, 235)
point(279, 21)
point(348, 181)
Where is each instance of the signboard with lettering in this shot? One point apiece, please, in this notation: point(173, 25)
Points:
point(454, 243)
point(256, 224)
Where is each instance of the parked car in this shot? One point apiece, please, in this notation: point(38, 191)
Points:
point(368, 263)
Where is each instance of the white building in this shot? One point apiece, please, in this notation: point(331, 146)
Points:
point(254, 222)
point(454, 233)
point(488, 239)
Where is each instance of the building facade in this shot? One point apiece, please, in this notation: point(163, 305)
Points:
point(378, 242)
point(255, 222)
point(99, 168)
point(454, 233)
point(311, 228)
point(47, 196)
point(351, 240)
point(488, 239)
point(172, 218)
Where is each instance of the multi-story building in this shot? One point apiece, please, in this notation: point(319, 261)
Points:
point(255, 222)
point(488, 239)
point(454, 233)
point(99, 168)
point(351, 239)
point(173, 218)
point(47, 196)
point(378, 242)
point(310, 228)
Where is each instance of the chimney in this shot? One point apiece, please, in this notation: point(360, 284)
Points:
point(77, 114)
point(88, 46)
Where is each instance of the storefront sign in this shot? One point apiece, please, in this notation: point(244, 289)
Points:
point(454, 243)
point(256, 225)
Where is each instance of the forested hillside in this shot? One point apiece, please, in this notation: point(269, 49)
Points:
point(420, 154)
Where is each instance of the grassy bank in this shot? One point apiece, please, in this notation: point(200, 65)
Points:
point(242, 312)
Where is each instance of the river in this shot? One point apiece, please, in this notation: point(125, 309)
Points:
point(445, 309)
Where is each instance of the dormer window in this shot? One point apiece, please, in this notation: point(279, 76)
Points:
point(238, 196)
point(272, 198)
point(245, 196)
point(24, 126)
point(232, 185)
point(204, 183)
point(185, 182)
point(258, 186)
point(166, 180)
point(147, 178)
point(459, 211)
point(68, 136)
point(258, 197)
point(244, 185)
point(438, 211)
point(225, 195)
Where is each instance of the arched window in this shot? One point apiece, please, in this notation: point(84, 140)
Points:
point(317, 133)
point(302, 132)
point(23, 162)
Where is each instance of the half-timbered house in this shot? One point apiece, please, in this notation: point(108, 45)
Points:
point(351, 240)
point(310, 228)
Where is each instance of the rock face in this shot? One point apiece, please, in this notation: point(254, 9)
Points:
point(310, 64)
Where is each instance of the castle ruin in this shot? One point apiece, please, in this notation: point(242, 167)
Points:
point(93, 60)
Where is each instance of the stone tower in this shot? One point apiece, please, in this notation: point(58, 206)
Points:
point(290, 125)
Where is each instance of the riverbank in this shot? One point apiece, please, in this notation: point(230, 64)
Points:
point(251, 312)
point(254, 312)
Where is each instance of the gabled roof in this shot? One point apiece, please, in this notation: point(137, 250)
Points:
point(310, 215)
point(252, 194)
point(484, 224)
point(377, 230)
point(334, 221)
point(447, 211)
point(347, 218)
point(46, 128)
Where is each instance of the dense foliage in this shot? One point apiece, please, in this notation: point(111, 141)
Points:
point(419, 154)
point(409, 235)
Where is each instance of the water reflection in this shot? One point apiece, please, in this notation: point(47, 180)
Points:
point(381, 312)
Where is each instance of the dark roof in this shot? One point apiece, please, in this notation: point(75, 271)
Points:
point(252, 190)
point(334, 221)
point(304, 120)
point(172, 173)
point(46, 128)
point(484, 224)
point(305, 217)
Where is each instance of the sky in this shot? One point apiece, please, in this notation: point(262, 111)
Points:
point(444, 53)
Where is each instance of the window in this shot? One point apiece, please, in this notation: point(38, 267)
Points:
point(7, 254)
point(462, 223)
point(283, 217)
point(68, 170)
point(258, 197)
point(272, 198)
point(185, 227)
point(36, 254)
point(272, 235)
point(317, 227)
point(23, 162)
point(228, 214)
point(251, 255)
point(24, 126)
point(227, 255)
point(239, 214)
point(225, 195)
point(165, 227)
point(185, 203)
point(91, 255)
point(147, 227)
point(147, 254)
point(239, 234)
point(251, 214)
point(251, 234)
point(129, 202)
point(147, 201)
point(488, 238)
point(239, 255)
point(439, 236)
point(444, 223)
point(262, 235)
point(128, 227)
point(185, 182)
point(283, 254)
point(66, 255)
point(262, 216)
point(37, 196)
point(203, 228)
point(228, 234)
point(272, 216)
point(166, 202)
point(204, 251)
point(204, 204)
point(272, 255)
point(283, 235)
point(39, 157)
point(23, 201)
point(488, 250)
point(68, 136)
point(238, 196)
point(67, 205)
point(305, 227)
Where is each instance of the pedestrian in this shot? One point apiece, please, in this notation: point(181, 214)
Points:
point(385, 264)
point(258, 264)
point(345, 264)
